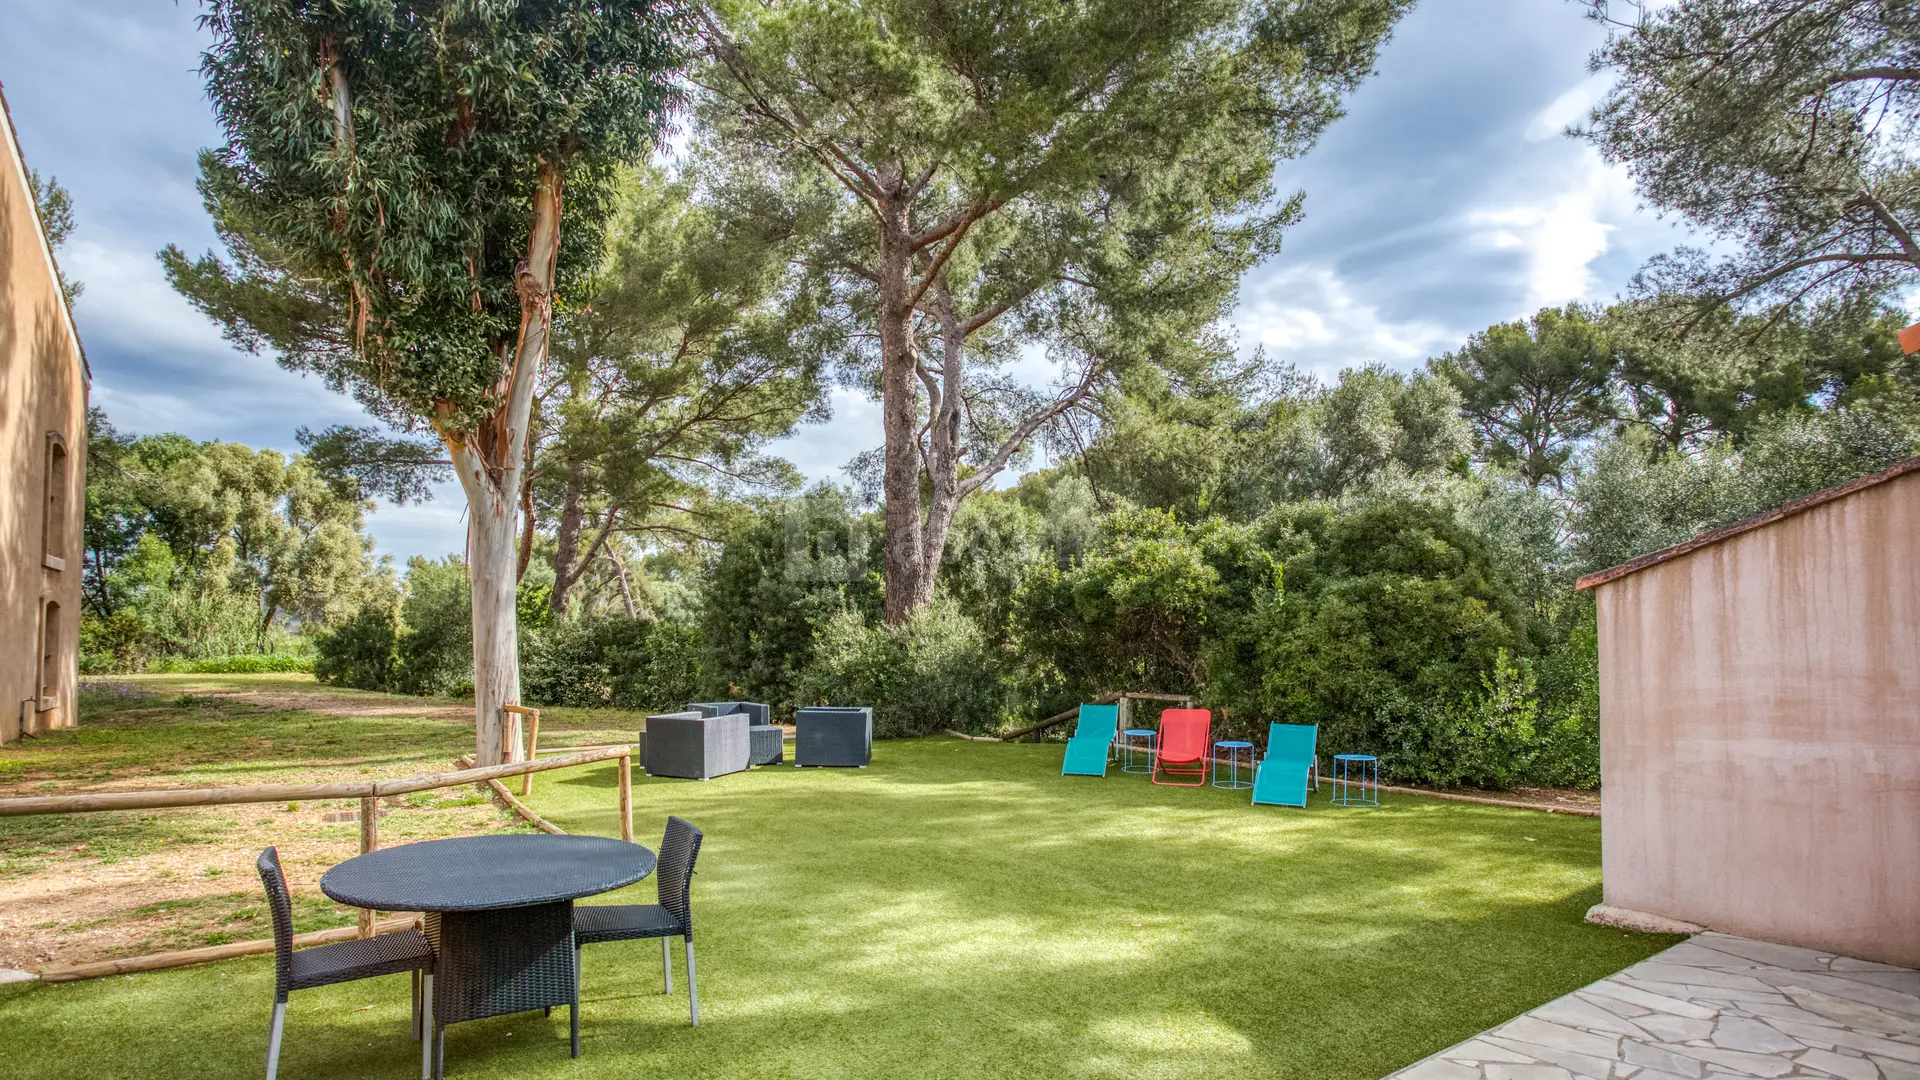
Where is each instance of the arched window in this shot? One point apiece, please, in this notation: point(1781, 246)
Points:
point(53, 529)
point(50, 656)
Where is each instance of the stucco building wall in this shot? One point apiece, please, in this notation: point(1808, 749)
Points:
point(43, 434)
point(1760, 728)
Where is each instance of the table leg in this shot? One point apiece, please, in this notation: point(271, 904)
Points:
point(489, 963)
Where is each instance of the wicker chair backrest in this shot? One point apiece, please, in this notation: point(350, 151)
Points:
point(281, 905)
point(678, 850)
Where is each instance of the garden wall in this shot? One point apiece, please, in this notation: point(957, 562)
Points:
point(43, 436)
point(1760, 724)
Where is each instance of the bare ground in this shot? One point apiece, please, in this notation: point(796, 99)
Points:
point(82, 887)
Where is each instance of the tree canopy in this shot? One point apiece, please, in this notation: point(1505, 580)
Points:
point(1084, 184)
point(1783, 126)
point(391, 192)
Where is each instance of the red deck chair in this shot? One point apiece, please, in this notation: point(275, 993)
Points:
point(1184, 747)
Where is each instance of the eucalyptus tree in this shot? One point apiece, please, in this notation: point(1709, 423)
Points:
point(1784, 126)
point(406, 190)
point(1082, 183)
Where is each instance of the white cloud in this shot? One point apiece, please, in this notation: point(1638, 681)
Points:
point(1569, 108)
point(1561, 234)
point(819, 450)
point(1307, 315)
point(128, 299)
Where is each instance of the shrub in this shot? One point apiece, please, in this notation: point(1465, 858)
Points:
point(779, 578)
point(113, 645)
point(362, 652)
point(435, 644)
point(612, 660)
point(936, 671)
point(1394, 618)
point(1156, 606)
point(1485, 739)
point(1568, 754)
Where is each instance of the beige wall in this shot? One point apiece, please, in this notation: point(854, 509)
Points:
point(42, 390)
point(1760, 730)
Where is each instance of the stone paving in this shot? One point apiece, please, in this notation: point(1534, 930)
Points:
point(1713, 1006)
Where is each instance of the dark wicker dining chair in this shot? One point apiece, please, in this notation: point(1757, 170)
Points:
point(346, 961)
point(672, 916)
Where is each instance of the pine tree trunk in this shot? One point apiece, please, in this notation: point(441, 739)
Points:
point(943, 447)
point(899, 397)
point(567, 544)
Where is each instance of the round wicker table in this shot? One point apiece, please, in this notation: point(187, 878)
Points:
point(499, 915)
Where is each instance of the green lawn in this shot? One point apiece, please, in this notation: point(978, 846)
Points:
point(959, 910)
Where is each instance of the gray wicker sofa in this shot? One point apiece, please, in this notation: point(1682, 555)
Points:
point(767, 739)
point(695, 747)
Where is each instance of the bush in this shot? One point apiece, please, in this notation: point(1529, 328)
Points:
point(363, 651)
point(1156, 606)
point(937, 671)
point(612, 660)
point(780, 578)
point(435, 644)
point(246, 664)
point(1568, 754)
point(113, 645)
point(1394, 634)
point(1485, 739)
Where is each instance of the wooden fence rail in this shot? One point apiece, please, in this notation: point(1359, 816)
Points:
point(369, 794)
point(227, 796)
point(1125, 700)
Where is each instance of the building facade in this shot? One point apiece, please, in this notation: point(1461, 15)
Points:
point(43, 450)
point(1760, 724)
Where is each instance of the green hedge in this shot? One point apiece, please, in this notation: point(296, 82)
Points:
point(253, 664)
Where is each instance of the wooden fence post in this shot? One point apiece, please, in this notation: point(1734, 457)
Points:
point(533, 741)
point(626, 797)
point(369, 841)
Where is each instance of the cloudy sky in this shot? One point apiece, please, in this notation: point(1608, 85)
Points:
point(1446, 200)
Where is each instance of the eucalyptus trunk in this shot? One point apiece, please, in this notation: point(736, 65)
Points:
point(489, 461)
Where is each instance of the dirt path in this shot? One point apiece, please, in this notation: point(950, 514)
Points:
point(82, 887)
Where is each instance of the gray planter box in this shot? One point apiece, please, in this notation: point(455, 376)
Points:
point(695, 747)
point(757, 714)
point(833, 735)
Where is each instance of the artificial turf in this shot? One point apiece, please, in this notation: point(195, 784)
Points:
point(960, 910)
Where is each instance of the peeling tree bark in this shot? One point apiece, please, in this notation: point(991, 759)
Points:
point(490, 461)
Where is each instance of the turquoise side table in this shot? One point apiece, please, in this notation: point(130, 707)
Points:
point(1133, 753)
point(1234, 750)
point(1356, 780)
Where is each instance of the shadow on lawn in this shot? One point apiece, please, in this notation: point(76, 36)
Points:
point(959, 910)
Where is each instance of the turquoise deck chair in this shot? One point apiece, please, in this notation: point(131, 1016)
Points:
point(1092, 743)
point(1281, 777)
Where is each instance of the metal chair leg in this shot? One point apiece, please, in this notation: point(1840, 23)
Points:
point(693, 988)
point(426, 1026)
point(273, 1039)
point(666, 964)
point(414, 1000)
